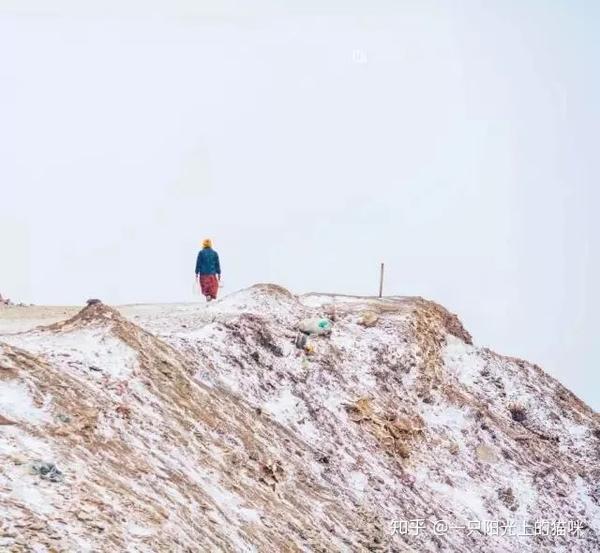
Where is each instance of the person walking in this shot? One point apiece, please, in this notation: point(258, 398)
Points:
point(208, 270)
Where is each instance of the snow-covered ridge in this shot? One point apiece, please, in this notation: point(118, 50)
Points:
point(193, 428)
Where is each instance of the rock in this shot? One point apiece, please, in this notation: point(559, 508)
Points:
point(36, 527)
point(93, 301)
point(83, 516)
point(47, 471)
point(368, 319)
point(507, 497)
point(212, 518)
point(517, 412)
point(453, 448)
point(486, 453)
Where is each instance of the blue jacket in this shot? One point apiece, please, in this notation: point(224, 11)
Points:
point(207, 262)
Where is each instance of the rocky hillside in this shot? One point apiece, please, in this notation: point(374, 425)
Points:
point(187, 428)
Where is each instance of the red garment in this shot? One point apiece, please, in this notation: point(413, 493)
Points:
point(209, 285)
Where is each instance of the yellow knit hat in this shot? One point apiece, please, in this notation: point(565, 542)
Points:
point(207, 243)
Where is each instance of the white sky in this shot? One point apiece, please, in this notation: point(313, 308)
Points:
point(463, 153)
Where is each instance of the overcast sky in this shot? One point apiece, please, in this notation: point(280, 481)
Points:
point(311, 141)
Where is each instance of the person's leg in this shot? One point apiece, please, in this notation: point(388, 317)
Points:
point(205, 286)
point(214, 287)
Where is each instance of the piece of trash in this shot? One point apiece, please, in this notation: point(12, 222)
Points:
point(315, 325)
point(94, 368)
point(63, 418)
point(301, 340)
point(47, 471)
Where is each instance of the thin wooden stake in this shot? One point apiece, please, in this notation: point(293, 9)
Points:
point(381, 282)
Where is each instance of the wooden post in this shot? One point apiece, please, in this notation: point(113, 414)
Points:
point(381, 282)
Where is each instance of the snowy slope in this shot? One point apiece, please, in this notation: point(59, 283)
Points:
point(192, 428)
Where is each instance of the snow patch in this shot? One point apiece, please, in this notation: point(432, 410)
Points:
point(358, 481)
point(285, 407)
point(92, 350)
point(17, 404)
point(462, 360)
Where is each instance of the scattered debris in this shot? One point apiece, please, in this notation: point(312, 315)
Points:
point(47, 471)
point(315, 326)
point(301, 340)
